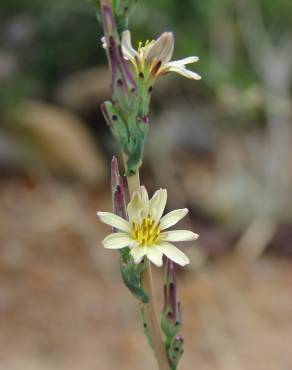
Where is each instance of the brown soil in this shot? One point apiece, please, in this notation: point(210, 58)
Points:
point(63, 306)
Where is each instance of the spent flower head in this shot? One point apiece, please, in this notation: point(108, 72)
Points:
point(144, 231)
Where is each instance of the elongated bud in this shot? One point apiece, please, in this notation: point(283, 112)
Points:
point(171, 314)
point(118, 190)
point(171, 317)
point(123, 83)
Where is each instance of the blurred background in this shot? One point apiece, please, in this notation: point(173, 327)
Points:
point(222, 147)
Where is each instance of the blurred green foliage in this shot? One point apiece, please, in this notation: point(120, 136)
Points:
point(51, 39)
point(47, 40)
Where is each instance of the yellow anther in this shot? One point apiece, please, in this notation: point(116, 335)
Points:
point(147, 232)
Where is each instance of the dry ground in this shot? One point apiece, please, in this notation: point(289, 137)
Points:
point(63, 306)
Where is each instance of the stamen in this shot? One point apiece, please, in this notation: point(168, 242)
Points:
point(147, 232)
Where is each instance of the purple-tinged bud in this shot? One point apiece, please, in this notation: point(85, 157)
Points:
point(171, 297)
point(123, 83)
point(118, 190)
point(171, 314)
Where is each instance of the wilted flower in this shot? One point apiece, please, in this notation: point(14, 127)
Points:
point(153, 58)
point(145, 233)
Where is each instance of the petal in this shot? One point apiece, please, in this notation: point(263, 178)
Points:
point(135, 208)
point(117, 241)
point(157, 204)
point(103, 42)
point(178, 236)
point(155, 255)
point(183, 62)
point(161, 50)
point(138, 253)
point(128, 51)
point(114, 221)
point(182, 71)
point(172, 218)
point(145, 200)
point(173, 253)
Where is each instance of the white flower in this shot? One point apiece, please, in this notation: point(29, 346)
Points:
point(145, 233)
point(153, 58)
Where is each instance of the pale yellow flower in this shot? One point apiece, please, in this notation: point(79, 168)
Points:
point(153, 58)
point(145, 233)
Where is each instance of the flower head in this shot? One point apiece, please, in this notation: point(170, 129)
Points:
point(153, 58)
point(144, 233)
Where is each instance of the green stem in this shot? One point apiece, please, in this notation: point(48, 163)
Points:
point(149, 308)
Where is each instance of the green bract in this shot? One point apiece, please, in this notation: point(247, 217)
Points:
point(123, 9)
point(175, 351)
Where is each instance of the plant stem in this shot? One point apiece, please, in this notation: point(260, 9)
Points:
point(150, 307)
point(152, 320)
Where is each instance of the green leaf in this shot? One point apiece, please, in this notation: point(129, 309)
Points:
point(131, 276)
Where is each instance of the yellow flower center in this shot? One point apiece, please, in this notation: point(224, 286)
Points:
point(147, 233)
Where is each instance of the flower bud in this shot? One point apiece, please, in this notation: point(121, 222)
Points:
point(118, 190)
point(123, 83)
point(171, 314)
